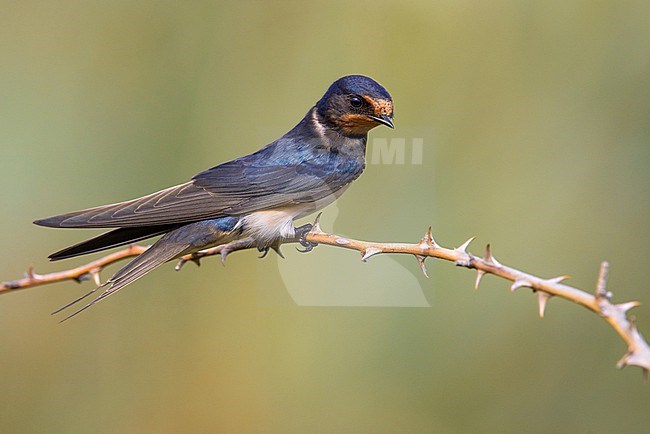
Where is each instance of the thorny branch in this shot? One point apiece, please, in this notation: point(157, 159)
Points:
point(638, 350)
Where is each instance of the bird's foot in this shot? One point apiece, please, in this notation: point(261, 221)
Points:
point(301, 234)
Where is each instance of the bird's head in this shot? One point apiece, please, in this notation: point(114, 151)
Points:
point(355, 104)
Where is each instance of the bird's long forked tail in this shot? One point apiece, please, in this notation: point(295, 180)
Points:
point(160, 252)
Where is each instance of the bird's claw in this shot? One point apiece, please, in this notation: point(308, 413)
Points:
point(308, 246)
point(301, 233)
point(275, 247)
point(300, 236)
point(264, 251)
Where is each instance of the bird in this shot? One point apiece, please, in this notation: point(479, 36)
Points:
point(256, 197)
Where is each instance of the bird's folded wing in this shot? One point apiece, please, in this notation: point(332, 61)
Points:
point(234, 188)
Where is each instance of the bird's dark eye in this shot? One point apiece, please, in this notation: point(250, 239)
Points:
point(356, 101)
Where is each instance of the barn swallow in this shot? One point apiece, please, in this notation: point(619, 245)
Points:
point(255, 197)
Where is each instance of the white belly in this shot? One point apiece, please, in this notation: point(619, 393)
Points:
point(266, 226)
point(269, 225)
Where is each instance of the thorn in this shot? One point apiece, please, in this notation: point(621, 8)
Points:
point(369, 252)
point(542, 298)
point(315, 229)
point(423, 267)
point(179, 264)
point(479, 276)
point(559, 279)
point(520, 283)
point(489, 258)
point(30, 273)
point(194, 257)
point(428, 237)
point(463, 247)
point(624, 307)
point(427, 241)
point(96, 278)
point(632, 358)
point(276, 249)
point(224, 253)
point(622, 363)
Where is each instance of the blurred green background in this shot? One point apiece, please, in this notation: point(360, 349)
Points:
point(536, 119)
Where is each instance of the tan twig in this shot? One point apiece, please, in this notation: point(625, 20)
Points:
point(79, 274)
point(638, 353)
point(92, 269)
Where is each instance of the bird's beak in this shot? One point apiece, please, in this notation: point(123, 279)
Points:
point(383, 119)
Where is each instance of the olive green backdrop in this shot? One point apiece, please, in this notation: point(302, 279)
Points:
point(535, 118)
